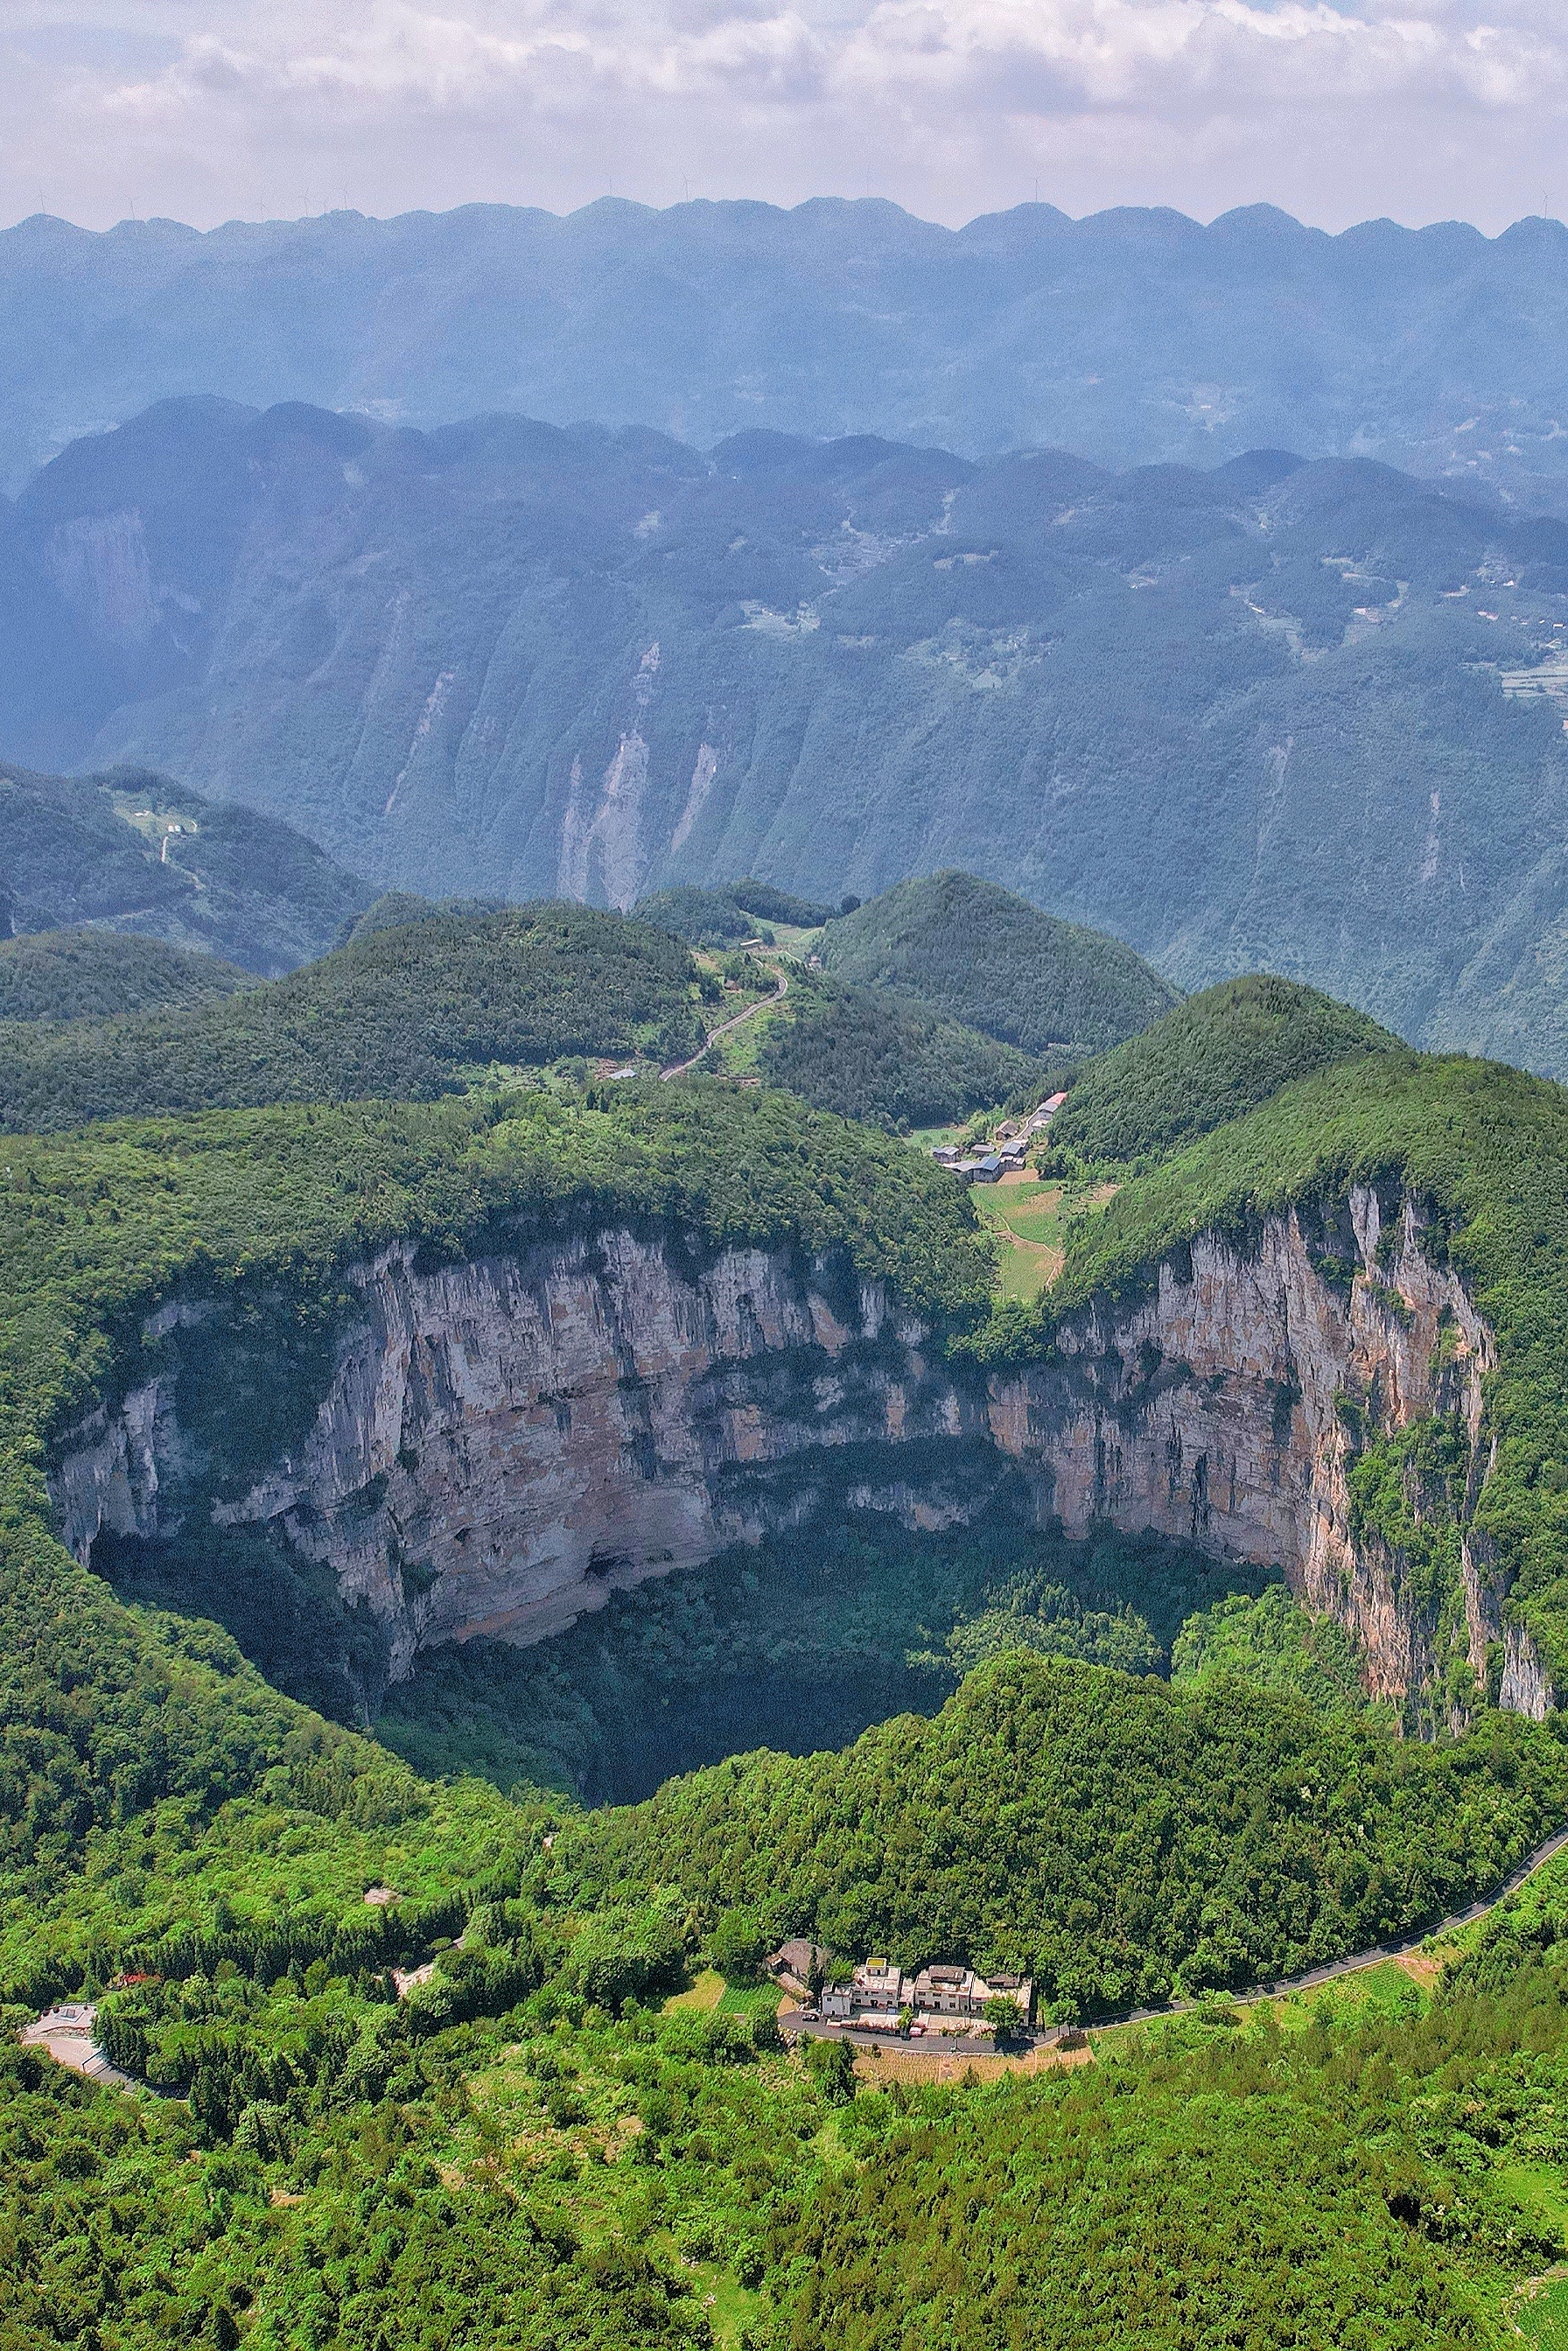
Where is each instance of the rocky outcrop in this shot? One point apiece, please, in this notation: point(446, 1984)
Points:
point(501, 1443)
point(1223, 1408)
point(504, 1442)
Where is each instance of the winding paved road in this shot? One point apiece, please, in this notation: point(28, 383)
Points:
point(677, 1068)
point(826, 2030)
point(1456, 1919)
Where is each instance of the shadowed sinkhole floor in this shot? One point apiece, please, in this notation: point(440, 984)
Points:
point(800, 1644)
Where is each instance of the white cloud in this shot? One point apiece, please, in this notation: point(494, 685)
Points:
point(207, 109)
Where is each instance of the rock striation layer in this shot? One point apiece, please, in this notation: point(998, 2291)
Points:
point(1215, 1410)
point(498, 1443)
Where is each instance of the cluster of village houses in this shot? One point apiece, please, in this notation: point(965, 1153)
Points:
point(878, 1993)
point(1008, 1148)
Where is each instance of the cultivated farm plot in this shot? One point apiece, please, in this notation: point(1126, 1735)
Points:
point(750, 2000)
point(1031, 1221)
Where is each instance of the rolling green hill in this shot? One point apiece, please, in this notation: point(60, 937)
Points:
point(1003, 1829)
point(986, 957)
point(1212, 1059)
point(92, 975)
point(132, 851)
point(404, 1013)
point(886, 1058)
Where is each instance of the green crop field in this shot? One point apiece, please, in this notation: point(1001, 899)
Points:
point(1031, 1222)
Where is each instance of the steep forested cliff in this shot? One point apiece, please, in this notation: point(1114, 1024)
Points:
point(1306, 714)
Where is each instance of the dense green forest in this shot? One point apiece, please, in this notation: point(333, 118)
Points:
point(406, 1013)
point(729, 911)
point(1210, 1059)
point(463, 2109)
point(1020, 1826)
point(94, 975)
point(802, 1641)
point(137, 852)
point(888, 1059)
point(1270, 1640)
point(990, 959)
point(1388, 2173)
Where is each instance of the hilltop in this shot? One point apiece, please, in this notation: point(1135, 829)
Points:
point(1019, 1825)
point(729, 911)
point(891, 1059)
point(1210, 1059)
point(133, 851)
point(405, 1012)
point(983, 955)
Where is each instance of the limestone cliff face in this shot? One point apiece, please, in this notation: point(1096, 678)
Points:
point(501, 1443)
point(1211, 1411)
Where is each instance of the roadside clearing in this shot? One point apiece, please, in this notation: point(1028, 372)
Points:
point(763, 1004)
point(67, 2034)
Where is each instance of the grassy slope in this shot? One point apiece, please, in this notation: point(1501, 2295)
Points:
point(400, 1013)
point(1211, 1059)
point(976, 953)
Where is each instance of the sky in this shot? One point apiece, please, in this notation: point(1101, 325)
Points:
point(206, 110)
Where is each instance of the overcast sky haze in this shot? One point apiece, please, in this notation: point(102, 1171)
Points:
point(210, 109)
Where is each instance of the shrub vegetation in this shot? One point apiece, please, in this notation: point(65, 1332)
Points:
point(981, 956)
point(404, 1013)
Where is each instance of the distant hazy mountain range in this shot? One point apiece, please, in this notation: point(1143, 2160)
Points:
point(1309, 717)
point(1132, 337)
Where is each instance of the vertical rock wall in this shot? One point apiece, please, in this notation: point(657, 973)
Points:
point(501, 1443)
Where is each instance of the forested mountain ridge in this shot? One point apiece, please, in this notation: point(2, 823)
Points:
point(945, 995)
point(1211, 1059)
point(1136, 336)
point(425, 998)
point(507, 660)
point(405, 1012)
point(133, 851)
point(979, 954)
